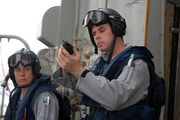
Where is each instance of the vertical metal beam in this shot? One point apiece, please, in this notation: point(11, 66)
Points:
point(2, 103)
point(172, 113)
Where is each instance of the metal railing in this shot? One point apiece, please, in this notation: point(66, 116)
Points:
point(15, 37)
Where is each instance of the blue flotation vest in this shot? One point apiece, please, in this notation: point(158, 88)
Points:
point(17, 111)
point(138, 111)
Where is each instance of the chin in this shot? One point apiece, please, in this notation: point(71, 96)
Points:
point(24, 85)
point(103, 50)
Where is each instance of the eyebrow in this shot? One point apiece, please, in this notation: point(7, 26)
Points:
point(100, 27)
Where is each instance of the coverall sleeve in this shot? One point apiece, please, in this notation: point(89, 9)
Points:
point(46, 106)
point(68, 80)
point(130, 87)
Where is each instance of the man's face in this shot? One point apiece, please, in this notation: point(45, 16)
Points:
point(103, 36)
point(23, 75)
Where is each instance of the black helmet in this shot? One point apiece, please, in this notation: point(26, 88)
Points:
point(102, 16)
point(26, 57)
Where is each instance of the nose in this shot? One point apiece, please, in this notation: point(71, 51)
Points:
point(21, 71)
point(97, 36)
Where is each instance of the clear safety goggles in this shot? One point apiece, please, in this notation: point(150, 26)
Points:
point(24, 59)
point(95, 17)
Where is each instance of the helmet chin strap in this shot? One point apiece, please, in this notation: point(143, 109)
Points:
point(111, 49)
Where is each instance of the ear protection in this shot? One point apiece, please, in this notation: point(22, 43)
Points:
point(117, 22)
point(118, 28)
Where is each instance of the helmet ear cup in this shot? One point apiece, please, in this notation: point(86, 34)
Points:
point(11, 75)
point(118, 28)
point(36, 68)
point(117, 22)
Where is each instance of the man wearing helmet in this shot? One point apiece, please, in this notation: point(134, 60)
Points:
point(114, 87)
point(33, 97)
